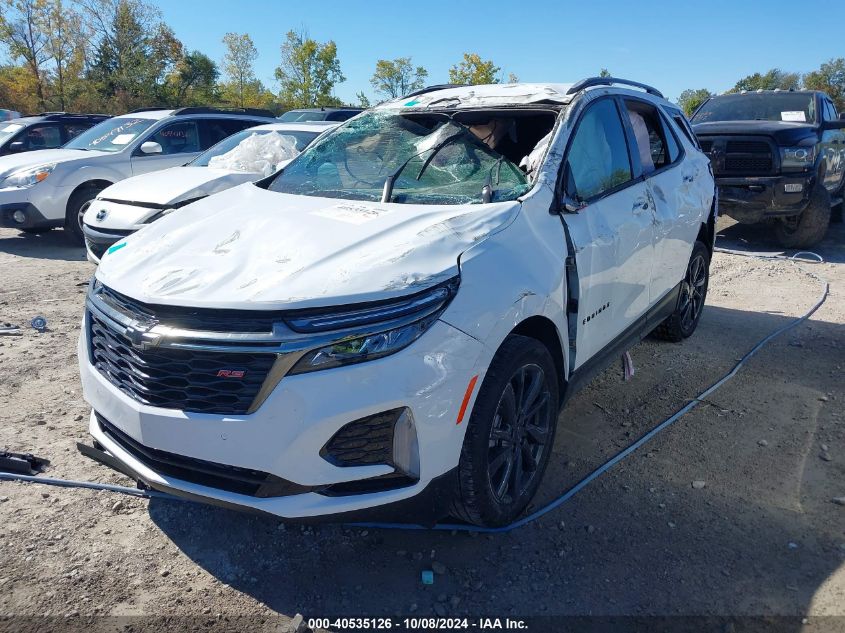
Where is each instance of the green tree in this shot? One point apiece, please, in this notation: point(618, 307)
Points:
point(308, 72)
point(604, 72)
point(691, 98)
point(66, 38)
point(239, 65)
point(194, 80)
point(134, 54)
point(770, 80)
point(829, 78)
point(363, 100)
point(474, 70)
point(397, 77)
point(23, 31)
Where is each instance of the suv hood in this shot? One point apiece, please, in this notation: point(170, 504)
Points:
point(784, 132)
point(174, 185)
point(16, 162)
point(250, 248)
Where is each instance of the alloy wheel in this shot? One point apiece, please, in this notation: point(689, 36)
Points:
point(692, 292)
point(519, 434)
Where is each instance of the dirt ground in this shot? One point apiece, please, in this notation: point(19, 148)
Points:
point(762, 537)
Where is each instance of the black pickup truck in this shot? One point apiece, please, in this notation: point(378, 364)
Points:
point(778, 156)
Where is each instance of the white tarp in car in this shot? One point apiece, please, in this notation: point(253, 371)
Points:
point(258, 153)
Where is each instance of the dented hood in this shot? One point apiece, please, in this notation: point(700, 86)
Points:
point(174, 185)
point(250, 248)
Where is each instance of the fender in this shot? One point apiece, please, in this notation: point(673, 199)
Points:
point(101, 170)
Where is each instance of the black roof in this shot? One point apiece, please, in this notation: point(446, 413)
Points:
point(62, 117)
point(327, 109)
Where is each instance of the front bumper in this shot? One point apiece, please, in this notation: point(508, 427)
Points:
point(41, 205)
point(753, 199)
point(285, 435)
point(98, 241)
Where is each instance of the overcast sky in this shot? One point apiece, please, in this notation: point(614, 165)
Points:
point(671, 45)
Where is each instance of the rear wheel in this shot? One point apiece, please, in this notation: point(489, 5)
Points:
point(76, 208)
point(808, 228)
point(510, 435)
point(683, 321)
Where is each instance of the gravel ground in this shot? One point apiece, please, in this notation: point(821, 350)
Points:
point(728, 512)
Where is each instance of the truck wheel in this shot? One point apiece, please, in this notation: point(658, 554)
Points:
point(683, 321)
point(810, 227)
point(510, 435)
point(76, 208)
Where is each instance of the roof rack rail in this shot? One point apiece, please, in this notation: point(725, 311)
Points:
point(422, 91)
point(150, 109)
point(607, 81)
point(208, 110)
point(60, 115)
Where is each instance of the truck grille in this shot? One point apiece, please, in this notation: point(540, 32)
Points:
point(178, 379)
point(732, 156)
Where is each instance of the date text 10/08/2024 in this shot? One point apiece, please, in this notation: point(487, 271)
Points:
point(417, 624)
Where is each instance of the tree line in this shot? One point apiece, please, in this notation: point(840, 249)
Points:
point(829, 78)
point(117, 55)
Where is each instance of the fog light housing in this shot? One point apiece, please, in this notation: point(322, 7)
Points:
point(19, 216)
point(793, 187)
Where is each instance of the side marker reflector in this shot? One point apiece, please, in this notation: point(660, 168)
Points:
point(470, 388)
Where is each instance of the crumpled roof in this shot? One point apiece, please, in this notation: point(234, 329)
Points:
point(484, 95)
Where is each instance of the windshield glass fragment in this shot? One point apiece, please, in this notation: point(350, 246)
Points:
point(426, 159)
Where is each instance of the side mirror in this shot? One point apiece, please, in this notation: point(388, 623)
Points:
point(151, 147)
point(572, 205)
point(16, 146)
point(833, 125)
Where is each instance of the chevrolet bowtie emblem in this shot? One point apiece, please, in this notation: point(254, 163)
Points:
point(142, 339)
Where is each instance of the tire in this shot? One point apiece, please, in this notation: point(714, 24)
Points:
point(76, 207)
point(810, 227)
point(505, 452)
point(37, 231)
point(683, 321)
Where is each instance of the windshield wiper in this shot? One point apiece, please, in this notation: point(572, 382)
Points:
point(387, 191)
point(488, 190)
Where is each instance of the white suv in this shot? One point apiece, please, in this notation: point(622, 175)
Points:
point(48, 188)
point(390, 325)
point(131, 204)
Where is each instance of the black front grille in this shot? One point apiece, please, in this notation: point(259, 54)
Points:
point(731, 156)
point(186, 380)
point(244, 481)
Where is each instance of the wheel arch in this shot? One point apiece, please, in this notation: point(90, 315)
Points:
point(96, 183)
point(544, 330)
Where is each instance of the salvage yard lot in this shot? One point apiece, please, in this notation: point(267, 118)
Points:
point(761, 537)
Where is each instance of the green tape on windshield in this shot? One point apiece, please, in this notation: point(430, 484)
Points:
point(116, 247)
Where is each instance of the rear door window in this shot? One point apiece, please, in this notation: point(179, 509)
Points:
point(215, 130)
point(653, 146)
point(72, 130)
point(597, 160)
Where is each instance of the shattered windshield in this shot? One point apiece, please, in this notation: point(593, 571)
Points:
point(410, 158)
point(785, 106)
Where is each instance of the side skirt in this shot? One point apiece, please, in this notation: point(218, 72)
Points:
point(636, 332)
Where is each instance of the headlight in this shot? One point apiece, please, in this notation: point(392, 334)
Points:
point(28, 177)
point(394, 326)
point(797, 158)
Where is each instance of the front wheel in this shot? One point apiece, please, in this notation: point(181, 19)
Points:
point(691, 296)
point(510, 435)
point(809, 228)
point(76, 208)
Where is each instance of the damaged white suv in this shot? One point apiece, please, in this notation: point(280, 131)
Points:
point(389, 326)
